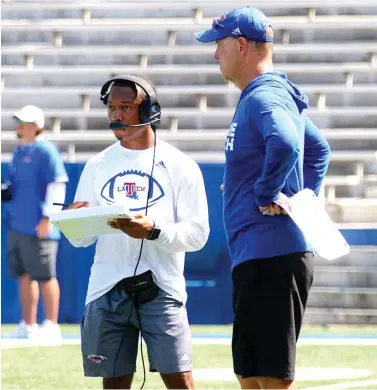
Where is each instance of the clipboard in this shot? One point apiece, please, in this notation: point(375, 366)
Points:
point(89, 221)
point(310, 215)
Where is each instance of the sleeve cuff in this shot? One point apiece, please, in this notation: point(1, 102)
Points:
point(163, 237)
point(264, 201)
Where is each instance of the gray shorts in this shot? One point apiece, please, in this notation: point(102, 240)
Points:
point(110, 335)
point(31, 255)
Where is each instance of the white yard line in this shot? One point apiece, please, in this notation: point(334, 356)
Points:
point(302, 374)
point(342, 386)
point(20, 343)
point(303, 341)
point(338, 341)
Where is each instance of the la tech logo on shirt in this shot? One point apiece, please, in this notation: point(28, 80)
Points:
point(229, 143)
point(132, 186)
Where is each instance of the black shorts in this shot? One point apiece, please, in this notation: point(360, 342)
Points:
point(269, 299)
point(31, 255)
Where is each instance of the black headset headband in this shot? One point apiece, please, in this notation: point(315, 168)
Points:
point(105, 90)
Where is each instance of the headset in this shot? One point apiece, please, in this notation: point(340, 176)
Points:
point(149, 114)
point(149, 108)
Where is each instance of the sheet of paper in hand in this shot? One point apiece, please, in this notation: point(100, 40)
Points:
point(309, 213)
point(89, 221)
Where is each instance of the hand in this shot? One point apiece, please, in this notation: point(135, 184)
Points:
point(78, 205)
point(139, 227)
point(43, 228)
point(271, 210)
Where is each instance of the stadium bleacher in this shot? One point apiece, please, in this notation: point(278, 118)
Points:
point(65, 50)
point(57, 55)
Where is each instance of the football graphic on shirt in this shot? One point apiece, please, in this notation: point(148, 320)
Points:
point(132, 187)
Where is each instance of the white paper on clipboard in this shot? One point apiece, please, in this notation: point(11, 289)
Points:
point(310, 215)
point(89, 221)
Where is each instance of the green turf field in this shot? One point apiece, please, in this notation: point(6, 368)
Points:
point(227, 329)
point(60, 367)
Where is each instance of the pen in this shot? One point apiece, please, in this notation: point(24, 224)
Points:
point(61, 204)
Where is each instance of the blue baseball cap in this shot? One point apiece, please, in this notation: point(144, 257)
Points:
point(246, 22)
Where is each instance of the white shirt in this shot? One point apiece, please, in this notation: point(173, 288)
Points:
point(177, 204)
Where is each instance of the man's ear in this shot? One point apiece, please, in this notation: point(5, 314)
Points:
point(242, 45)
point(36, 128)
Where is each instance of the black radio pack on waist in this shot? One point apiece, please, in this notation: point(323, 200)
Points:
point(6, 192)
point(142, 288)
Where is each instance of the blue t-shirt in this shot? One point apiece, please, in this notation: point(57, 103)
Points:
point(33, 167)
point(271, 147)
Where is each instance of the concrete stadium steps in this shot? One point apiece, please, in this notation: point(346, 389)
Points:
point(346, 169)
point(202, 117)
point(90, 36)
point(111, 54)
point(346, 276)
point(221, 95)
point(359, 168)
point(360, 256)
point(332, 69)
point(225, 101)
point(343, 297)
point(325, 316)
point(73, 34)
point(195, 10)
point(193, 140)
point(345, 289)
point(353, 210)
point(296, 21)
point(61, 76)
point(288, 7)
point(175, 23)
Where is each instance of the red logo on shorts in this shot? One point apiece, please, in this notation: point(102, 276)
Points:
point(96, 359)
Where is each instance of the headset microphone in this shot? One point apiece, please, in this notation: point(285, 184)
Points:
point(121, 125)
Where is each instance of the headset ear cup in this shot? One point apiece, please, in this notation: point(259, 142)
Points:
point(149, 112)
point(144, 111)
point(155, 114)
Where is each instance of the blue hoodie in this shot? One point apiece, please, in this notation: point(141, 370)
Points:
point(271, 147)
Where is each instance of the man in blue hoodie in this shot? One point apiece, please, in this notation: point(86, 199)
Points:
point(271, 148)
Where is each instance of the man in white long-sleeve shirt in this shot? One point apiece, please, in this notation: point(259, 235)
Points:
point(37, 179)
point(176, 222)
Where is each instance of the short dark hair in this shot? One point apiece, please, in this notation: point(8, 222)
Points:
point(131, 84)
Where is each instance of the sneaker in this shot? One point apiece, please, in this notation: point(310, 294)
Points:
point(50, 332)
point(24, 331)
